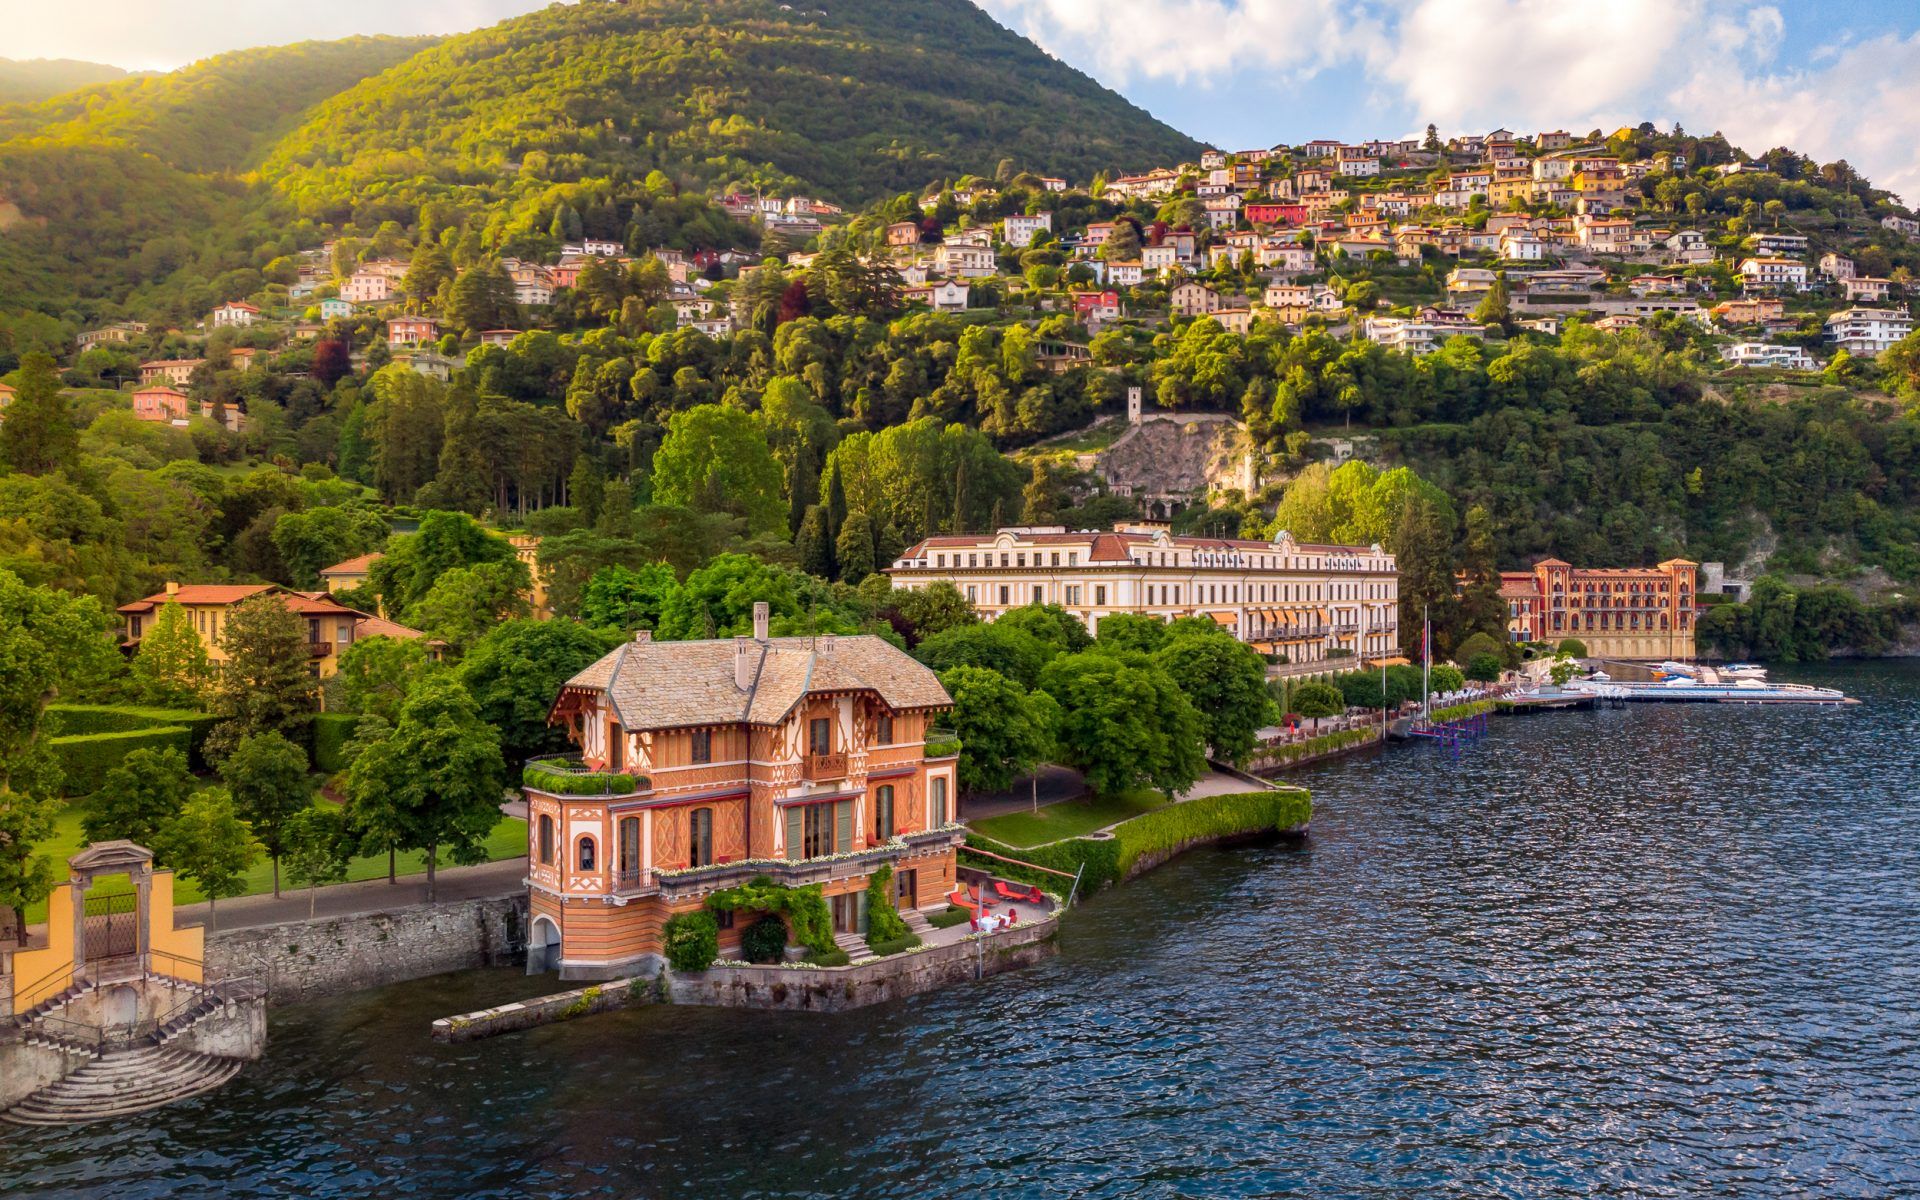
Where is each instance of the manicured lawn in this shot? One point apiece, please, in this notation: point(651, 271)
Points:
point(508, 840)
point(1067, 818)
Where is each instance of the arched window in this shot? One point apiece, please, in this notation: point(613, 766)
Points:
point(587, 860)
point(883, 813)
point(700, 837)
point(546, 839)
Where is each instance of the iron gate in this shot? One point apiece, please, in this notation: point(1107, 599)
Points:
point(113, 927)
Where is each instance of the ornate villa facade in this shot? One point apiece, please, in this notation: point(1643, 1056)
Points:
point(1309, 602)
point(704, 764)
point(1618, 612)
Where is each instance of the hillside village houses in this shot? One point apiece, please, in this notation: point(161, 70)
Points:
point(1868, 331)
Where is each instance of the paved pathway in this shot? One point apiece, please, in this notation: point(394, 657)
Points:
point(1056, 784)
point(488, 880)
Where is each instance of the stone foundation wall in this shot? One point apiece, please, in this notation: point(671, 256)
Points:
point(807, 989)
point(304, 960)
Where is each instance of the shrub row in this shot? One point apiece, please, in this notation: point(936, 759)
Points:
point(1456, 712)
point(1326, 743)
point(561, 782)
point(1102, 861)
point(891, 946)
point(86, 758)
point(73, 720)
point(331, 733)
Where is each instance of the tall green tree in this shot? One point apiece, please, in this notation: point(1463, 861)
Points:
point(319, 849)
point(1423, 550)
point(1227, 683)
point(716, 459)
point(625, 598)
point(1005, 731)
point(139, 797)
point(1124, 723)
point(1481, 609)
point(376, 672)
point(313, 540)
point(210, 844)
point(853, 550)
point(413, 562)
point(264, 683)
point(171, 669)
point(38, 435)
point(515, 671)
point(438, 774)
point(49, 641)
point(267, 777)
point(466, 602)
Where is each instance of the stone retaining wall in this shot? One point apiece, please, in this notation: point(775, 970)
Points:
point(304, 960)
point(808, 989)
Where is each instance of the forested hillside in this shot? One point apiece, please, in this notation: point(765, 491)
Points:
point(31, 80)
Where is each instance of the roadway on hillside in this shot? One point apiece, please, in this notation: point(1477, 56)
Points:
point(486, 881)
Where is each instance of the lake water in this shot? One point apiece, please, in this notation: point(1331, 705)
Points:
point(1665, 951)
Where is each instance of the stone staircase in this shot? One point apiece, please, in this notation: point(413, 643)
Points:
point(855, 945)
point(919, 924)
point(122, 1082)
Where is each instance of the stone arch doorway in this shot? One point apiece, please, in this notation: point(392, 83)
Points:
point(122, 1005)
point(543, 947)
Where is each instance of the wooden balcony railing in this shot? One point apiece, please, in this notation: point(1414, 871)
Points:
point(826, 766)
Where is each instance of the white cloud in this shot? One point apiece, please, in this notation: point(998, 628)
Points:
point(163, 34)
point(1469, 65)
point(1203, 42)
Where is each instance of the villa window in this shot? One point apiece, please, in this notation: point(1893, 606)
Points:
point(883, 813)
point(700, 837)
point(1039, 593)
point(1003, 594)
point(616, 748)
point(939, 792)
point(546, 839)
point(820, 736)
point(702, 746)
point(586, 854)
point(1100, 595)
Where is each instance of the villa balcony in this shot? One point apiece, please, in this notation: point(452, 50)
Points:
point(821, 768)
point(942, 742)
point(572, 775)
point(694, 882)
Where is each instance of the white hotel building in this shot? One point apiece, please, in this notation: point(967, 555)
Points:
point(1307, 602)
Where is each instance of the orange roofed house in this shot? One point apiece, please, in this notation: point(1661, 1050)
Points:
point(331, 627)
point(1628, 612)
point(808, 760)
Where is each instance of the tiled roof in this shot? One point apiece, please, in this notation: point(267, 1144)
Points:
point(663, 685)
point(353, 566)
point(233, 593)
point(367, 627)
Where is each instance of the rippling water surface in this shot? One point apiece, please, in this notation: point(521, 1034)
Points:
point(1668, 951)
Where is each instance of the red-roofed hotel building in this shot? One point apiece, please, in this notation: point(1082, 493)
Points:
point(1617, 612)
point(1312, 603)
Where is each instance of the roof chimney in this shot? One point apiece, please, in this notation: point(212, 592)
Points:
point(760, 614)
point(826, 643)
point(173, 587)
point(643, 635)
point(742, 663)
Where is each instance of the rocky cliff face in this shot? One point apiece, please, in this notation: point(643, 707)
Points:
point(1181, 457)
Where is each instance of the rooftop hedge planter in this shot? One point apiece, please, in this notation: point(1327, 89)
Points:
point(942, 743)
point(561, 777)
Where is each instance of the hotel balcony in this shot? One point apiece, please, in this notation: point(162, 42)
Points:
point(820, 768)
point(572, 775)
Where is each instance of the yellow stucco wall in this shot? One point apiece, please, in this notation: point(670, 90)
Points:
point(38, 974)
point(180, 953)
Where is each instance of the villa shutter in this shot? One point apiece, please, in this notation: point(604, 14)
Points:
point(843, 827)
point(795, 816)
point(861, 924)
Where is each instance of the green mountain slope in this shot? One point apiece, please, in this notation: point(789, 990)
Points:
point(122, 183)
point(31, 80)
point(863, 98)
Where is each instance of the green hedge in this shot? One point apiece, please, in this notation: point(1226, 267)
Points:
point(86, 758)
point(1108, 860)
point(1456, 712)
point(1326, 743)
point(331, 733)
point(70, 720)
point(561, 783)
point(892, 946)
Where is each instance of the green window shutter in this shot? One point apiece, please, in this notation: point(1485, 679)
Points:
point(795, 832)
point(843, 826)
point(861, 925)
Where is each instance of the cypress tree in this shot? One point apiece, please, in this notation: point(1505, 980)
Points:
point(960, 521)
point(836, 504)
point(815, 543)
point(38, 436)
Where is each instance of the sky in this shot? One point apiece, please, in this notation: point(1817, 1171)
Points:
point(1831, 78)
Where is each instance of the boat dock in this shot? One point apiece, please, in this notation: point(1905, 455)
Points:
point(1686, 691)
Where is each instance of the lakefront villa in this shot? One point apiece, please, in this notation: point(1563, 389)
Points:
point(705, 764)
